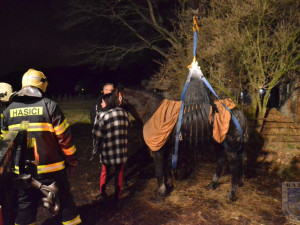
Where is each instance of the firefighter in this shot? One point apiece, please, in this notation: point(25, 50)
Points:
point(49, 138)
point(6, 92)
point(7, 200)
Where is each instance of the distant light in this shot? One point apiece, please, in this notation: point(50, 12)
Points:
point(82, 89)
point(261, 91)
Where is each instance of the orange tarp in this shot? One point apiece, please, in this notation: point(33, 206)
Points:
point(222, 119)
point(158, 128)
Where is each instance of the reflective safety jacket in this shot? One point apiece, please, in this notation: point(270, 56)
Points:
point(49, 134)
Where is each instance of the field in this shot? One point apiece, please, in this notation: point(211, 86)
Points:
point(190, 203)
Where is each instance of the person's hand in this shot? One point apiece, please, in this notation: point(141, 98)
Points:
point(72, 162)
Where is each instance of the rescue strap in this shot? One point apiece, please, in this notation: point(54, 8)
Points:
point(175, 153)
point(237, 124)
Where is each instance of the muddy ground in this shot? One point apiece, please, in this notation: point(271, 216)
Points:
point(190, 203)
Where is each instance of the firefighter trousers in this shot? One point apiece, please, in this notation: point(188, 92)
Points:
point(30, 198)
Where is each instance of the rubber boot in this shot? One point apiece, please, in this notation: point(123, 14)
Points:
point(117, 194)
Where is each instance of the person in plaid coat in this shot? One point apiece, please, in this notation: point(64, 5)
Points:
point(110, 141)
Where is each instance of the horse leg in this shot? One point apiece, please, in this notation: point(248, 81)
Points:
point(221, 159)
point(169, 177)
point(236, 168)
point(158, 157)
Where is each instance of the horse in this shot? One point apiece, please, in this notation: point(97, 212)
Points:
point(196, 130)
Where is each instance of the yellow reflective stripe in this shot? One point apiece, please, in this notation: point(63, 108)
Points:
point(34, 127)
point(14, 127)
point(3, 133)
point(61, 128)
point(2, 116)
point(70, 151)
point(74, 221)
point(17, 170)
point(51, 167)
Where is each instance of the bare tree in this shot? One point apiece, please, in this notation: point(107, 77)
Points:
point(129, 27)
point(272, 53)
point(250, 45)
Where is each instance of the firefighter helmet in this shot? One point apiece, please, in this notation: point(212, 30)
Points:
point(5, 92)
point(36, 79)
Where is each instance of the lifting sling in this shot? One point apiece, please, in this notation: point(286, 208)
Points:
point(192, 68)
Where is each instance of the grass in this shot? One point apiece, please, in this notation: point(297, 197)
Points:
point(291, 146)
point(77, 111)
point(190, 203)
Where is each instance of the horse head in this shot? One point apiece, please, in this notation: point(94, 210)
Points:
point(141, 104)
point(123, 98)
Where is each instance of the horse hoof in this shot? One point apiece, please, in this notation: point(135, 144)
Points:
point(159, 198)
point(162, 191)
point(232, 197)
point(212, 186)
point(241, 184)
point(170, 188)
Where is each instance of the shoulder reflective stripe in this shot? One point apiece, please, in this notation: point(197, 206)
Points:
point(70, 151)
point(74, 221)
point(34, 127)
point(61, 128)
point(17, 170)
point(51, 167)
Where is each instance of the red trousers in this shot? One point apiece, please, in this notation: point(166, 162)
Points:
point(104, 179)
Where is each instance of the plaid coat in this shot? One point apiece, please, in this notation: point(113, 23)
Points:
point(110, 136)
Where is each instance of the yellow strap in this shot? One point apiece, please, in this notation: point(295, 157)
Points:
point(194, 61)
point(195, 25)
point(17, 170)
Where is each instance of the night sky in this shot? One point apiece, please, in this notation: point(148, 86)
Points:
point(30, 38)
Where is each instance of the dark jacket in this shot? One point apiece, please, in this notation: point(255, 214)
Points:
point(96, 108)
point(49, 134)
